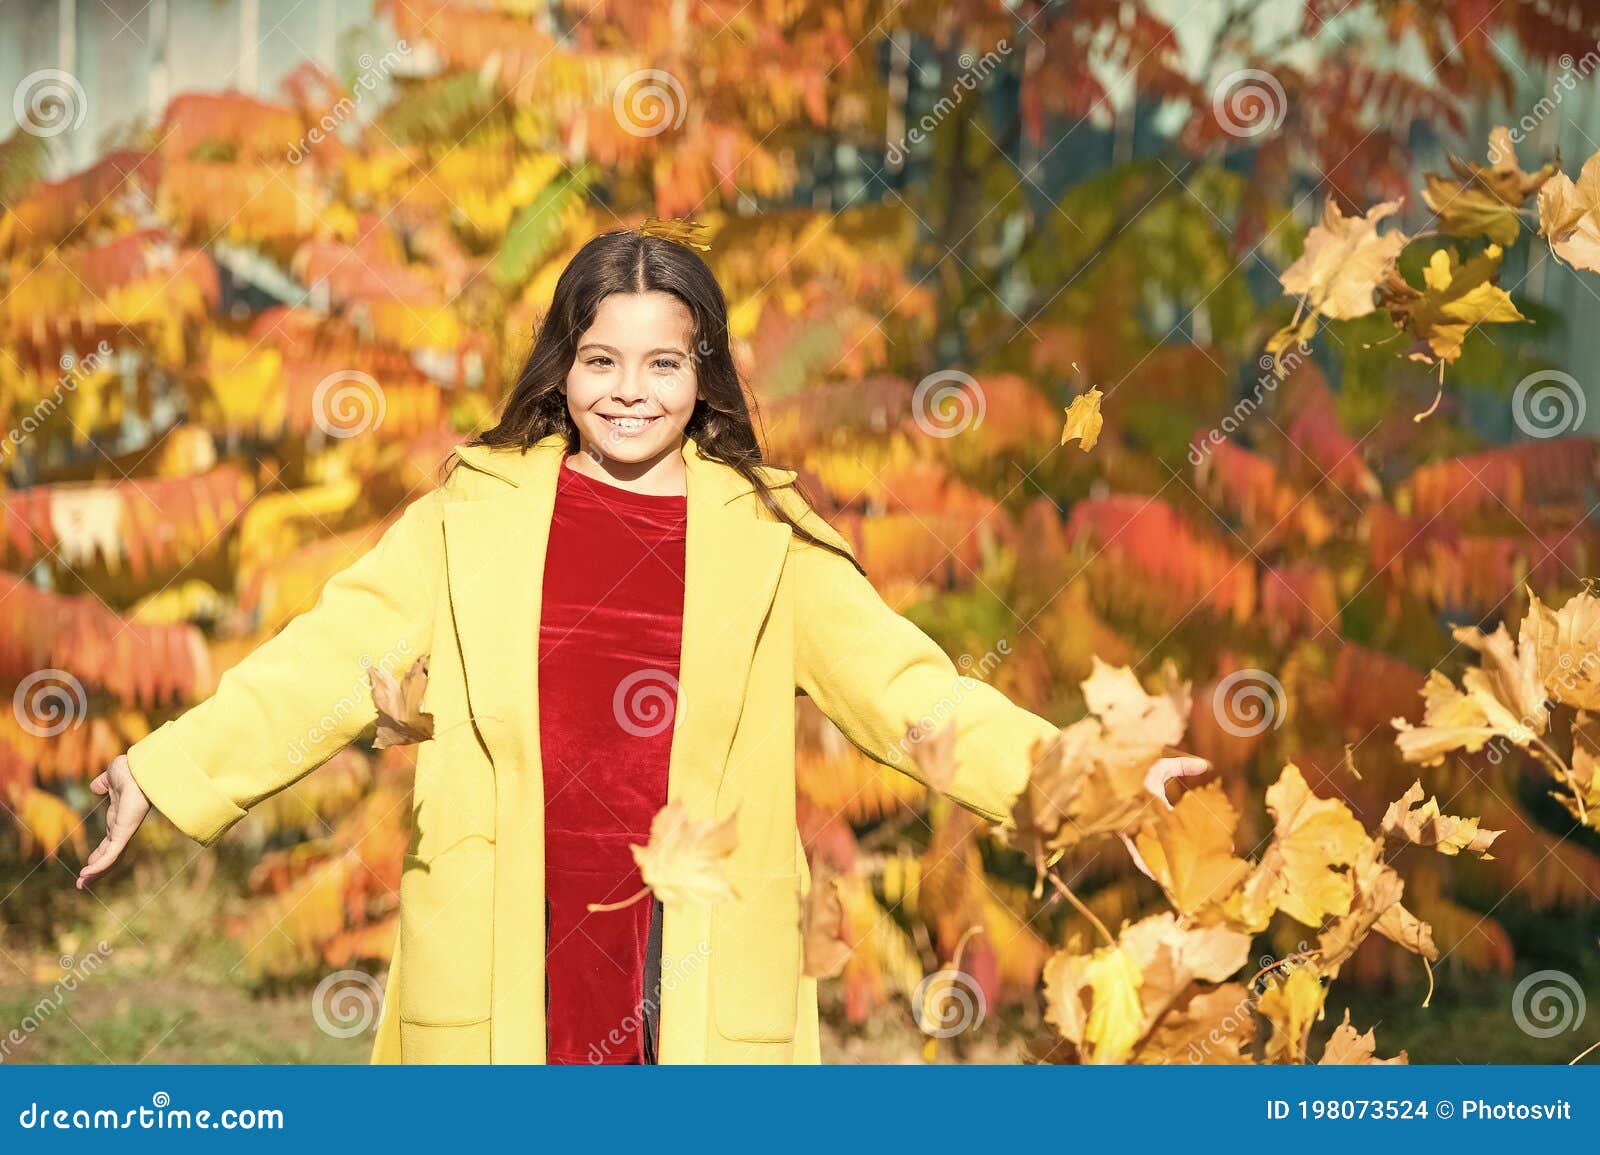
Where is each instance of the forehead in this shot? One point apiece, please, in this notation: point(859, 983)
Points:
point(640, 319)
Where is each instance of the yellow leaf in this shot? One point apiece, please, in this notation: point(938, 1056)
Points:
point(1291, 1005)
point(1414, 820)
point(1116, 1017)
point(1457, 298)
point(1084, 421)
point(1189, 849)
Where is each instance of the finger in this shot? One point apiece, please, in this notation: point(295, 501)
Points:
point(101, 783)
point(91, 865)
point(109, 850)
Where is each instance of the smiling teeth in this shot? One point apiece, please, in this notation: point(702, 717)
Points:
point(630, 422)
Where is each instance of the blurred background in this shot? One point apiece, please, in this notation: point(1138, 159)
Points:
point(265, 261)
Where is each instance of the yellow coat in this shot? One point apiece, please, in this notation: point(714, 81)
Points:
point(458, 577)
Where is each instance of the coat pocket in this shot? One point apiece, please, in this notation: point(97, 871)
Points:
point(447, 934)
point(756, 959)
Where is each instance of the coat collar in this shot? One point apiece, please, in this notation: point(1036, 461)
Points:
point(494, 564)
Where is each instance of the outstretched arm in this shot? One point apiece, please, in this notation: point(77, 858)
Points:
point(304, 694)
point(874, 673)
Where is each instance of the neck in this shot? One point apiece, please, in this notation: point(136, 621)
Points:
point(663, 475)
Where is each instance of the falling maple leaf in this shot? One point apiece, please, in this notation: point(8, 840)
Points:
point(1568, 216)
point(401, 718)
point(1414, 820)
point(825, 947)
point(1084, 420)
point(1483, 200)
point(1344, 262)
point(685, 859)
point(1189, 850)
point(1349, 1047)
point(1458, 296)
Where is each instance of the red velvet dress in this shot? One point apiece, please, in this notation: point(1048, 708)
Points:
point(611, 624)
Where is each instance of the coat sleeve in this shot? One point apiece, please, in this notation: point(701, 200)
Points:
point(874, 673)
point(304, 694)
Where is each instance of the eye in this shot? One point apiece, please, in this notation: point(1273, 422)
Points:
point(667, 363)
point(598, 361)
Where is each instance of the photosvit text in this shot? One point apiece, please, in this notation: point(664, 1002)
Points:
point(1468, 1110)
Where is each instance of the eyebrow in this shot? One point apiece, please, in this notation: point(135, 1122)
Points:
point(648, 353)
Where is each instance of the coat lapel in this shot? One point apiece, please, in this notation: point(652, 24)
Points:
point(495, 554)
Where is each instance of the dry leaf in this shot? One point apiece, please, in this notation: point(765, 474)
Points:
point(1568, 216)
point(401, 718)
point(1349, 1047)
point(826, 949)
point(1344, 262)
point(1414, 820)
point(685, 859)
point(1483, 201)
point(1189, 850)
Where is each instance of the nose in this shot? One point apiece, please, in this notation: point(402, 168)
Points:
point(632, 386)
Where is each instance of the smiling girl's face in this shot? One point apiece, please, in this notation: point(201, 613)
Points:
point(632, 385)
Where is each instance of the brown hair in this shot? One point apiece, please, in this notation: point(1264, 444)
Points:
point(627, 261)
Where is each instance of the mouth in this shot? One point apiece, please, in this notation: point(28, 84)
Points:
point(629, 425)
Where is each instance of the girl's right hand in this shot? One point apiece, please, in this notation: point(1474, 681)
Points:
point(127, 810)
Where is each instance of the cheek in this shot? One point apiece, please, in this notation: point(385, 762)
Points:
point(678, 397)
point(583, 390)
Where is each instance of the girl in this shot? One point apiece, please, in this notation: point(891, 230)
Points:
point(618, 602)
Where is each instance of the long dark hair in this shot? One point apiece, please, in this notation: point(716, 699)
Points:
point(627, 261)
